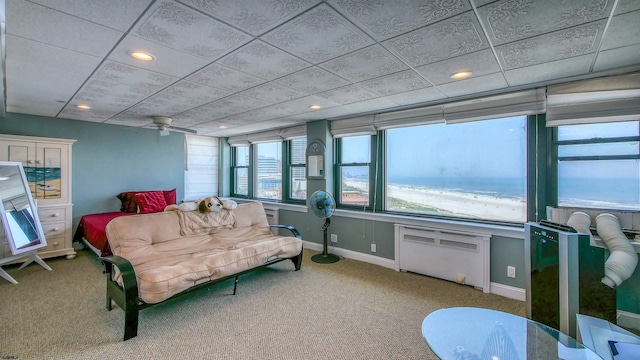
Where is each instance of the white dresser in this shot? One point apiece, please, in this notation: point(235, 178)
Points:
point(47, 164)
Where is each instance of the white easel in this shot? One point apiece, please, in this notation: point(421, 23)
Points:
point(31, 258)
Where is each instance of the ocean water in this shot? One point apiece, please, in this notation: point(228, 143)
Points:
point(513, 188)
point(587, 192)
point(39, 174)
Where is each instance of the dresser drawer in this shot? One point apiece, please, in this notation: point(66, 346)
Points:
point(53, 229)
point(53, 243)
point(52, 214)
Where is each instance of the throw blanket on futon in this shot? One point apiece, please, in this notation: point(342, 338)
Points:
point(197, 223)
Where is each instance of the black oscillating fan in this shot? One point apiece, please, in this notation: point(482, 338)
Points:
point(323, 205)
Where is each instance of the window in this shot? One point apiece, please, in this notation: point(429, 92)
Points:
point(354, 164)
point(474, 170)
point(201, 173)
point(268, 165)
point(240, 170)
point(297, 170)
point(599, 166)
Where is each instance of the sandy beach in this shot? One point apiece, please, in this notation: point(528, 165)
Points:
point(52, 191)
point(457, 203)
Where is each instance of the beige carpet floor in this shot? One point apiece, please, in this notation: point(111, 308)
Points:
point(345, 310)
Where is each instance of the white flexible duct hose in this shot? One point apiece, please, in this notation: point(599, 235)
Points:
point(580, 221)
point(623, 258)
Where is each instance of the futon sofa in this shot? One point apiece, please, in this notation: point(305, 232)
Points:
point(167, 254)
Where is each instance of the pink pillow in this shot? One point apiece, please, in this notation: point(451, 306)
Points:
point(151, 202)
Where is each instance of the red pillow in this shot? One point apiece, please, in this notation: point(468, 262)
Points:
point(129, 204)
point(151, 202)
point(170, 196)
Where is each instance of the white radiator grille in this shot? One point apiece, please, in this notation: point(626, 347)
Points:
point(450, 255)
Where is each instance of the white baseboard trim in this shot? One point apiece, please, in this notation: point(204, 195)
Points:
point(349, 254)
point(628, 320)
point(508, 291)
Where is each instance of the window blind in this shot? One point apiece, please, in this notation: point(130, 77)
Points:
point(362, 125)
point(529, 102)
point(607, 99)
point(201, 172)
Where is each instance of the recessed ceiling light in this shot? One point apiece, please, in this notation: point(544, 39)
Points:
point(83, 107)
point(222, 127)
point(315, 107)
point(460, 75)
point(141, 55)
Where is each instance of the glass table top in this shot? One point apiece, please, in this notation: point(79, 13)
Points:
point(475, 333)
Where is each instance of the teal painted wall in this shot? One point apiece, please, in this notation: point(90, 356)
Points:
point(109, 159)
point(505, 251)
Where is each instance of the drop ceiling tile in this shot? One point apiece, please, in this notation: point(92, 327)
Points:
point(167, 60)
point(617, 58)
point(254, 16)
point(554, 46)
point(626, 6)
point(348, 94)
point(366, 106)
point(23, 105)
point(385, 19)
point(94, 115)
point(263, 60)
point(479, 63)
point(512, 20)
point(364, 64)
point(273, 93)
point(396, 83)
point(303, 104)
point(549, 71)
point(419, 96)
point(225, 78)
point(131, 120)
point(119, 73)
point(623, 30)
point(116, 14)
point(318, 35)
point(312, 80)
point(474, 85)
point(182, 28)
point(41, 24)
point(453, 37)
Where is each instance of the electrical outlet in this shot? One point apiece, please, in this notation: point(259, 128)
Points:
point(373, 247)
point(511, 271)
point(334, 238)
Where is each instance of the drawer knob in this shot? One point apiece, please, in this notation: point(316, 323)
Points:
point(55, 229)
point(55, 243)
point(55, 215)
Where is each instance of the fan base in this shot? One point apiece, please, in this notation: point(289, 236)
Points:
point(325, 258)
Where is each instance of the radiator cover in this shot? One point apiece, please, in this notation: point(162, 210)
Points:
point(452, 255)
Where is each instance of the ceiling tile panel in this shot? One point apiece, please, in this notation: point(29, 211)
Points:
point(478, 63)
point(167, 60)
point(253, 16)
point(182, 28)
point(225, 78)
point(38, 23)
point(562, 44)
point(396, 83)
point(385, 19)
point(443, 40)
point(125, 74)
point(95, 115)
point(559, 69)
point(116, 14)
point(619, 57)
point(472, 85)
point(318, 35)
point(263, 60)
point(626, 6)
point(512, 20)
point(348, 94)
point(365, 64)
point(273, 93)
point(303, 104)
point(419, 96)
point(624, 30)
point(312, 80)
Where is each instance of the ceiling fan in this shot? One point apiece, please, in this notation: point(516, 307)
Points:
point(163, 124)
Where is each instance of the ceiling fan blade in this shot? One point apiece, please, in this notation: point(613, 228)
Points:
point(186, 130)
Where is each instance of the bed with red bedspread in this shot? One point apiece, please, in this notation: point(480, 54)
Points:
point(91, 229)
